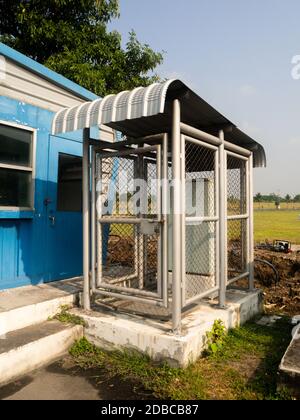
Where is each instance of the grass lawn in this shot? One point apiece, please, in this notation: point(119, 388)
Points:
point(244, 368)
point(274, 224)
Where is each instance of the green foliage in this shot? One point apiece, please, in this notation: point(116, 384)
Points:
point(216, 337)
point(66, 317)
point(274, 198)
point(71, 37)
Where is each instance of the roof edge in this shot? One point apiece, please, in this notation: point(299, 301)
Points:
point(46, 73)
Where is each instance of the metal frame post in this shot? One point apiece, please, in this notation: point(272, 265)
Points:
point(251, 224)
point(93, 221)
point(85, 217)
point(183, 221)
point(177, 209)
point(165, 189)
point(223, 221)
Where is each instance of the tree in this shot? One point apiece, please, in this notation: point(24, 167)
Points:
point(297, 198)
point(287, 198)
point(258, 198)
point(71, 37)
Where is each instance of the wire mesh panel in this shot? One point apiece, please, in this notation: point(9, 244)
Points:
point(237, 252)
point(201, 220)
point(200, 189)
point(129, 230)
point(237, 217)
point(200, 251)
point(236, 186)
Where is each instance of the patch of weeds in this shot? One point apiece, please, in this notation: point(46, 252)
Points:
point(216, 337)
point(244, 367)
point(66, 317)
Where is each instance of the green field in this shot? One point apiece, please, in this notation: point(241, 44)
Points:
point(277, 224)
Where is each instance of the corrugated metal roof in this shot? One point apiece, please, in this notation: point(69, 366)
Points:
point(46, 73)
point(146, 111)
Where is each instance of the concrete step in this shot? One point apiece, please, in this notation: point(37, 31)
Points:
point(289, 369)
point(30, 305)
point(27, 349)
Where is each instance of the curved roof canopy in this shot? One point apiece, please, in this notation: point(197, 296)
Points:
point(147, 111)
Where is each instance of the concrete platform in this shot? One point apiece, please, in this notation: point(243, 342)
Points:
point(289, 369)
point(29, 305)
point(122, 331)
point(29, 348)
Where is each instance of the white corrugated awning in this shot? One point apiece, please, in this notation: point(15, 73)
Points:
point(148, 110)
point(127, 105)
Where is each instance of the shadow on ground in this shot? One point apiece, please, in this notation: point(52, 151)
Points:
point(63, 380)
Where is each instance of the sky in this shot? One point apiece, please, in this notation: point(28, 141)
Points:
point(237, 55)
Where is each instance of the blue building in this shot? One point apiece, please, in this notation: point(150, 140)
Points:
point(40, 174)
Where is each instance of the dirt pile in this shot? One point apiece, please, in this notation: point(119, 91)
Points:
point(283, 297)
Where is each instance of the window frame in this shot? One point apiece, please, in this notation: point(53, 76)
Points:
point(29, 169)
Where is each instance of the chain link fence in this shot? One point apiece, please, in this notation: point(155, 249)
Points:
point(237, 241)
point(200, 230)
point(127, 191)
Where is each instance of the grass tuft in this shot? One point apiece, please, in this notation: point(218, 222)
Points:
point(66, 317)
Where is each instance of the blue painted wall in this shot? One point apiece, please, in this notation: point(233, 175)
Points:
point(23, 237)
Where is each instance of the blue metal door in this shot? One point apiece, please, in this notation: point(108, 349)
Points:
point(64, 215)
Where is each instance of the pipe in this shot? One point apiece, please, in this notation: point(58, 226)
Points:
point(223, 221)
point(165, 190)
point(177, 208)
point(251, 225)
point(199, 134)
point(93, 222)
point(85, 216)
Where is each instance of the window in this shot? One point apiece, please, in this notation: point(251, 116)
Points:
point(16, 167)
point(69, 185)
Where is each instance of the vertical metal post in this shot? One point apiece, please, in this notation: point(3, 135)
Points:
point(223, 221)
point(159, 217)
point(165, 190)
point(85, 216)
point(143, 204)
point(177, 208)
point(251, 224)
point(217, 214)
point(183, 223)
point(243, 210)
point(99, 227)
point(93, 221)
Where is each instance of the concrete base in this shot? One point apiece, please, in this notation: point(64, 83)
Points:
point(120, 331)
point(289, 369)
point(27, 349)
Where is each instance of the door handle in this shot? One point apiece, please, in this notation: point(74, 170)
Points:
point(52, 219)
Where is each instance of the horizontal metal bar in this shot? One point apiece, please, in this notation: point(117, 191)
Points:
point(137, 292)
point(241, 276)
point(237, 155)
point(146, 139)
point(126, 220)
point(200, 143)
point(237, 149)
point(136, 151)
point(202, 135)
point(201, 219)
point(122, 279)
point(16, 167)
point(198, 134)
point(201, 296)
point(238, 217)
point(128, 297)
